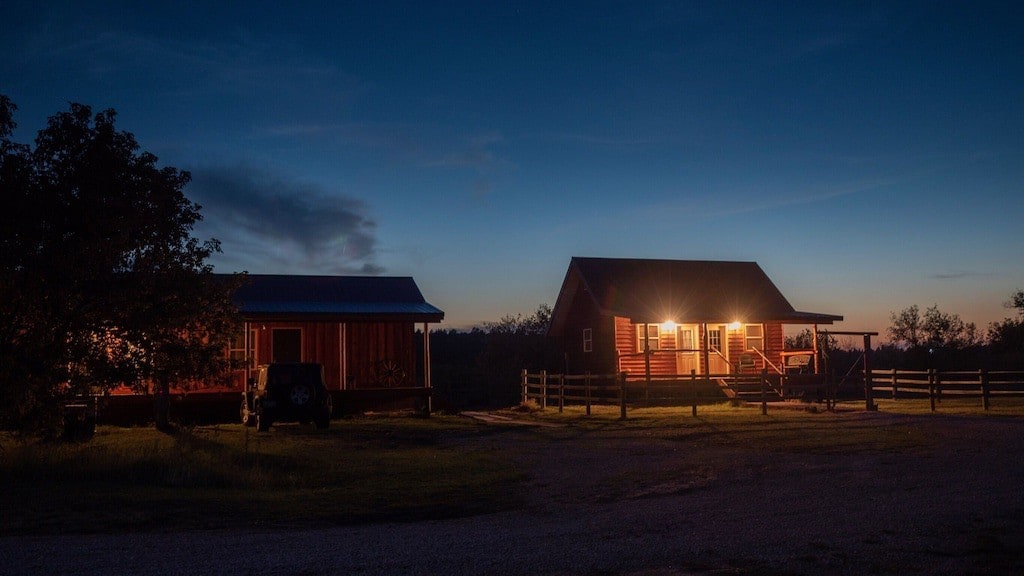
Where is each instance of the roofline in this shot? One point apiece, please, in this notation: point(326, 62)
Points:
point(328, 317)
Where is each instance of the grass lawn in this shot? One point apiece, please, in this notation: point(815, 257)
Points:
point(397, 469)
point(359, 470)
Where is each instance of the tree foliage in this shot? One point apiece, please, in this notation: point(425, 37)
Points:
point(101, 281)
point(1007, 337)
point(804, 340)
point(482, 367)
point(934, 329)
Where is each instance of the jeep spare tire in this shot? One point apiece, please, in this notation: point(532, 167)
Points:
point(300, 395)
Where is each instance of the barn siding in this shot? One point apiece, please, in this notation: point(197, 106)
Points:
point(367, 345)
point(372, 346)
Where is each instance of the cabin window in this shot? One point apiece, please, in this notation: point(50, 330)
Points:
point(755, 337)
point(653, 335)
point(588, 340)
point(685, 339)
point(715, 339)
point(236, 350)
point(287, 345)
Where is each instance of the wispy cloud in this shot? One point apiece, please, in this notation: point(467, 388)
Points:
point(960, 275)
point(745, 202)
point(473, 152)
point(272, 224)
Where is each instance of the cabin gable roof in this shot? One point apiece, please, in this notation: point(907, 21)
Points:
point(646, 290)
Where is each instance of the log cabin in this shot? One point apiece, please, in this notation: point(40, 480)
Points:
point(669, 317)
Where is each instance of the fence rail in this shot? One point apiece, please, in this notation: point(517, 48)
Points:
point(936, 384)
point(694, 389)
point(679, 389)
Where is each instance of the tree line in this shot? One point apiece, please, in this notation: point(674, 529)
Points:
point(935, 339)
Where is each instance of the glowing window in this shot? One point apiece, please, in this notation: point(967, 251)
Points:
point(653, 335)
point(754, 336)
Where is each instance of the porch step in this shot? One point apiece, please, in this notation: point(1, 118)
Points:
point(748, 390)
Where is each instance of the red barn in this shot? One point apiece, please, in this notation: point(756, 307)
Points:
point(361, 328)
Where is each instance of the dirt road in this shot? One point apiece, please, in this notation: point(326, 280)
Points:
point(944, 495)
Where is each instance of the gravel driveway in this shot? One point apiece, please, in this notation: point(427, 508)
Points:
point(949, 501)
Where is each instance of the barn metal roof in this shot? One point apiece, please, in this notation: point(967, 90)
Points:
point(680, 290)
point(338, 298)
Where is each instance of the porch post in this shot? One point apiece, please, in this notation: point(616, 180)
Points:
point(343, 352)
point(248, 350)
point(704, 348)
point(814, 346)
point(426, 365)
point(647, 357)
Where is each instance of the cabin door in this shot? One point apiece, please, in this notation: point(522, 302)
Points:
point(718, 349)
point(687, 357)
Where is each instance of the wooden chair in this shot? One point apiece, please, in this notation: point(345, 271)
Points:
point(745, 365)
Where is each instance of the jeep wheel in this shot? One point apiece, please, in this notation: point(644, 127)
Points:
point(300, 395)
point(247, 416)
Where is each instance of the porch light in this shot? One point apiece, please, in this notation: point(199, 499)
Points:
point(668, 325)
point(735, 325)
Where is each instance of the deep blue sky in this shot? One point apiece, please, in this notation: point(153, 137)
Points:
point(869, 156)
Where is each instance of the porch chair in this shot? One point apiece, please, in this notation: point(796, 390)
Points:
point(745, 364)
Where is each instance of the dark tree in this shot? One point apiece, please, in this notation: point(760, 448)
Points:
point(1006, 338)
point(101, 281)
point(512, 344)
point(906, 327)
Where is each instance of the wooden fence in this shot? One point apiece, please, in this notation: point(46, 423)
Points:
point(693, 389)
point(981, 385)
point(680, 389)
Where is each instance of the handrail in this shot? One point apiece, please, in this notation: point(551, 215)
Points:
point(732, 366)
point(767, 361)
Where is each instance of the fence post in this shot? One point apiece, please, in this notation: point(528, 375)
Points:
point(764, 392)
point(524, 381)
point(693, 387)
point(983, 377)
point(587, 392)
point(543, 389)
point(894, 390)
point(869, 400)
point(561, 393)
point(931, 387)
point(622, 395)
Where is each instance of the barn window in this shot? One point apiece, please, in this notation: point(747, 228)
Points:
point(653, 335)
point(287, 345)
point(236, 350)
point(588, 340)
point(754, 337)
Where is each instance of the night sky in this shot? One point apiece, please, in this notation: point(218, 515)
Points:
point(869, 156)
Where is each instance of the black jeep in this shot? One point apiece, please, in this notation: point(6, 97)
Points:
point(287, 392)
